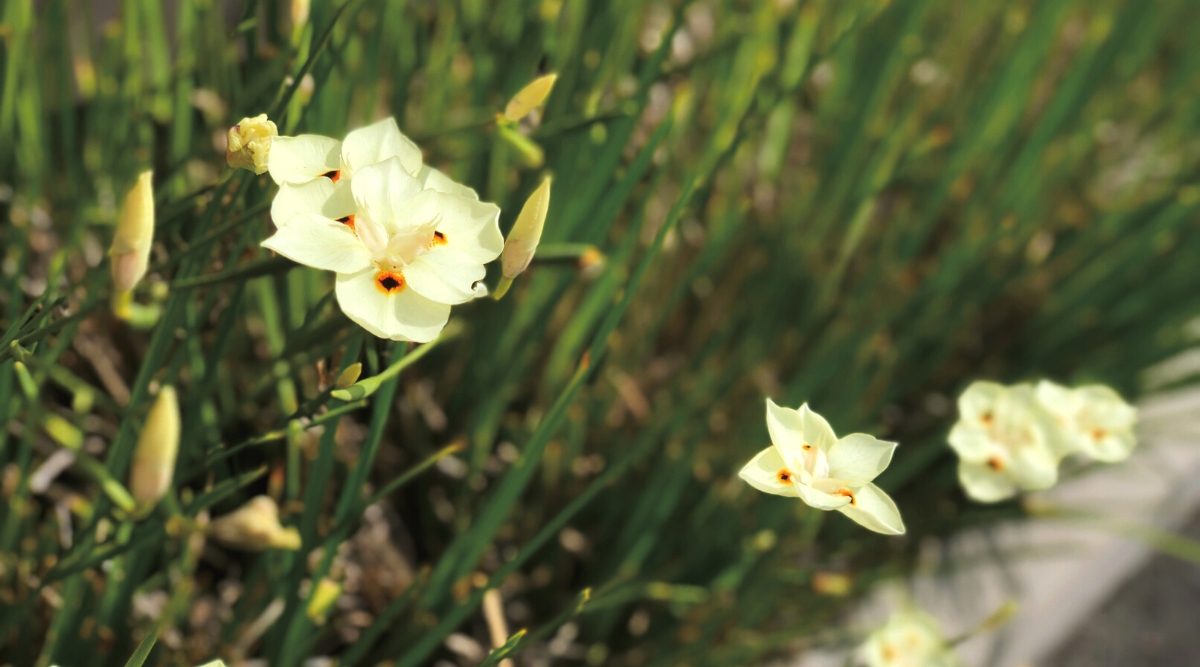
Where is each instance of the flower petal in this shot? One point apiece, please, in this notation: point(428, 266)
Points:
point(820, 500)
point(874, 510)
point(469, 226)
point(432, 179)
point(384, 192)
point(1034, 467)
point(971, 441)
point(762, 472)
point(979, 399)
point(445, 275)
point(319, 196)
point(787, 431)
point(303, 158)
point(320, 243)
point(817, 431)
point(399, 315)
point(984, 484)
point(859, 458)
point(1114, 446)
point(377, 143)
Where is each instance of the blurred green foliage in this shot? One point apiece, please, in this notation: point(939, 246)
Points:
point(863, 204)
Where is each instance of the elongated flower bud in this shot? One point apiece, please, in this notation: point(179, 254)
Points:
point(529, 98)
point(348, 376)
point(135, 234)
point(300, 9)
point(249, 143)
point(157, 447)
point(253, 527)
point(522, 241)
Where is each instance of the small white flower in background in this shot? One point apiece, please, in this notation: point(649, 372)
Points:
point(910, 638)
point(134, 235)
point(248, 144)
point(405, 240)
point(806, 460)
point(1094, 419)
point(254, 527)
point(153, 465)
point(1005, 440)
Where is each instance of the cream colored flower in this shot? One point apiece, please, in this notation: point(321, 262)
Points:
point(806, 460)
point(134, 236)
point(154, 457)
point(911, 638)
point(404, 248)
point(254, 527)
point(1006, 442)
point(249, 143)
point(1093, 419)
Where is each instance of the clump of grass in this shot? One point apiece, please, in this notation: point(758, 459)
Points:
point(864, 205)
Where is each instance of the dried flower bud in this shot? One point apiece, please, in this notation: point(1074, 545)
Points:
point(135, 234)
point(523, 240)
point(157, 447)
point(249, 143)
point(348, 376)
point(529, 98)
point(254, 527)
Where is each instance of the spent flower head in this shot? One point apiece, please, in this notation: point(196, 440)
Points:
point(1093, 419)
point(405, 241)
point(910, 638)
point(248, 144)
point(808, 461)
point(1005, 440)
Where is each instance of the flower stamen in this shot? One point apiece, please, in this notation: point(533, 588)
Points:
point(389, 282)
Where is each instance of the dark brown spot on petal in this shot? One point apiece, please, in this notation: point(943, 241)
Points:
point(807, 447)
point(437, 240)
point(784, 476)
point(849, 494)
point(348, 221)
point(995, 463)
point(333, 175)
point(389, 283)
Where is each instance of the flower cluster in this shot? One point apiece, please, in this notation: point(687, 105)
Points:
point(405, 241)
point(808, 461)
point(1012, 438)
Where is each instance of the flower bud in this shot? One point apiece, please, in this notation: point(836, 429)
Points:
point(254, 527)
point(529, 98)
point(522, 241)
point(157, 447)
point(249, 143)
point(135, 234)
point(348, 376)
point(328, 591)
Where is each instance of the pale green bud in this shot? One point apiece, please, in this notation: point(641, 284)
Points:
point(157, 448)
point(530, 97)
point(130, 251)
point(522, 241)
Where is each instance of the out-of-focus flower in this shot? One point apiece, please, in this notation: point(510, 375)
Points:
point(300, 9)
point(523, 239)
point(254, 527)
point(327, 593)
point(910, 638)
point(529, 98)
point(134, 236)
point(249, 143)
point(157, 448)
point(806, 460)
point(1094, 419)
point(404, 249)
point(1005, 440)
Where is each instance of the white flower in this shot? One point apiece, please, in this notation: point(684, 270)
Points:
point(911, 638)
point(254, 526)
point(808, 461)
point(404, 248)
point(1006, 442)
point(1093, 419)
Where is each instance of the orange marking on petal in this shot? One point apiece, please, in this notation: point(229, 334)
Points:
point(784, 476)
point(389, 283)
point(348, 221)
point(807, 447)
point(333, 175)
point(847, 493)
point(437, 240)
point(987, 419)
point(1099, 434)
point(995, 463)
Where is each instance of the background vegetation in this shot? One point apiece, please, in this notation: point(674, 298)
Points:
point(864, 205)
